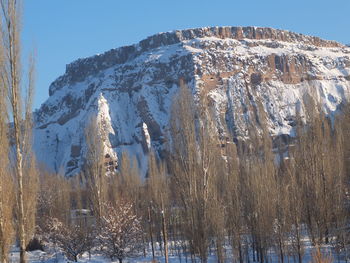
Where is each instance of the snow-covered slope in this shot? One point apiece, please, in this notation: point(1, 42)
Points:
point(131, 88)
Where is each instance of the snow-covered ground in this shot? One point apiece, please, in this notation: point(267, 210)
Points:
point(174, 257)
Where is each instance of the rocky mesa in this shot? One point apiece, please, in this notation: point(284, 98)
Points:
point(130, 89)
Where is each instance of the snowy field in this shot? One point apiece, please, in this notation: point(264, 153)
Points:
point(174, 257)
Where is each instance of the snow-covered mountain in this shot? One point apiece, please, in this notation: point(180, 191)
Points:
point(131, 88)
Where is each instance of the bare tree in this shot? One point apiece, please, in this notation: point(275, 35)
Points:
point(20, 110)
point(6, 186)
point(54, 198)
point(339, 212)
point(95, 169)
point(72, 239)
point(121, 233)
point(157, 186)
point(234, 192)
point(127, 181)
point(193, 157)
point(283, 217)
point(344, 124)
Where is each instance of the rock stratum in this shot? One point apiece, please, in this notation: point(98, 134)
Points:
point(130, 89)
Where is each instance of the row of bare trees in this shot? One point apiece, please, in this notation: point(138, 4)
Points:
point(209, 195)
point(262, 195)
point(254, 196)
point(94, 211)
point(259, 194)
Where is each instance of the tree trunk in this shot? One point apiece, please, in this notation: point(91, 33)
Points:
point(151, 231)
point(219, 251)
point(253, 248)
point(2, 245)
point(165, 235)
point(240, 252)
point(299, 245)
point(281, 249)
point(15, 102)
point(21, 230)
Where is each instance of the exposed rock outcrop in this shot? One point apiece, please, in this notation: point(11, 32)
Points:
point(238, 68)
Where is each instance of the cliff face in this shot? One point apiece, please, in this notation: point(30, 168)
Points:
point(130, 89)
point(82, 68)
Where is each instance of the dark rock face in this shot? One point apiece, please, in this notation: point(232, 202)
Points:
point(241, 70)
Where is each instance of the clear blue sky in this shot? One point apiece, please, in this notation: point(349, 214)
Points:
point(64, 30)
